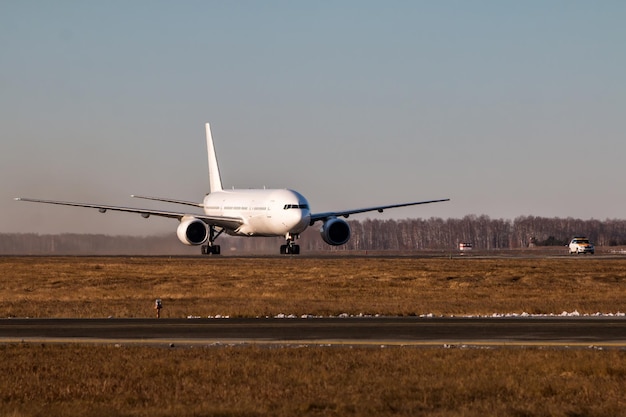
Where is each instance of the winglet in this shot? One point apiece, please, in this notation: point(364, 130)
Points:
point(215, 180)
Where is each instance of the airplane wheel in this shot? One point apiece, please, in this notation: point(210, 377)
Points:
point(211, 250)
point(289, 250)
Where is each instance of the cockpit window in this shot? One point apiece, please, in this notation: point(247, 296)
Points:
point(295, 206)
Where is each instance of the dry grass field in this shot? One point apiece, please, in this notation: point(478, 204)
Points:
point(251, 287)
point(80, 381)
point(91, 380)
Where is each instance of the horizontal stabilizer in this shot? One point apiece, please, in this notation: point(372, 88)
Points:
point(169, 200)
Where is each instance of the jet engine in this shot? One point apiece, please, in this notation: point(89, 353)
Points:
point(335, 231)
point(192, 231)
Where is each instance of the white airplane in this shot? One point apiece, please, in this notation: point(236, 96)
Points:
point(256, 212)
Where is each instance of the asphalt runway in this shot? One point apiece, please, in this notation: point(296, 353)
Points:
point(404, 331)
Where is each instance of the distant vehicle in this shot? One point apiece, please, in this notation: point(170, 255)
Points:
point(581, 245)
point(465, 246)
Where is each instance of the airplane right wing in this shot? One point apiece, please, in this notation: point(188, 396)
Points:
point(229, 223)
point(346, 213)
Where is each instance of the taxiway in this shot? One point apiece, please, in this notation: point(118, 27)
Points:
point(416, 331)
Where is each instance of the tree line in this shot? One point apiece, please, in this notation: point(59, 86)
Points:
point(434, 233)
point(482, 232)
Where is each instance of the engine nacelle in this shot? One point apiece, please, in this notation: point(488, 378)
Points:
point(335, 231)
point(192, 231)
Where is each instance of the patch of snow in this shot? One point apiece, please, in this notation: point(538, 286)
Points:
point(523, 314)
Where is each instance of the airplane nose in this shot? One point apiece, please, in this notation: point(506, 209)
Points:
point(305, 219)
point(299, 220)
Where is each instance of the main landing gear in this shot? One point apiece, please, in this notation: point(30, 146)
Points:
point(212, 249)
point(290, 248)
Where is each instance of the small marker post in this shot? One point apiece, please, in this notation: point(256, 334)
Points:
point(158, 305)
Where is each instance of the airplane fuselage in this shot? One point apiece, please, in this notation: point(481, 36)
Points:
point(265, 212)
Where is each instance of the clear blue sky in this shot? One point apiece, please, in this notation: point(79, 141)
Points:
point(509, 108)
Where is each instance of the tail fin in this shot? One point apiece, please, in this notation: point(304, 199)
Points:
point(215, 180)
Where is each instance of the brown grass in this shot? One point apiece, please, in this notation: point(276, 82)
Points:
point(251, 381)
point(251, 287)
point(75, 380)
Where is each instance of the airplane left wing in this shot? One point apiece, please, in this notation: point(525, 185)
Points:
point(230, 223)
point(346, 213)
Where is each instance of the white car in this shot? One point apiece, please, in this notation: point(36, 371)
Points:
point(581, 245)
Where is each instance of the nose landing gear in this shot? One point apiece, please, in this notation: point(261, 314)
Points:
point(290, 248)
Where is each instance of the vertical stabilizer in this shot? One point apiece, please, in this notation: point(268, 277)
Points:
point(215, 181)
